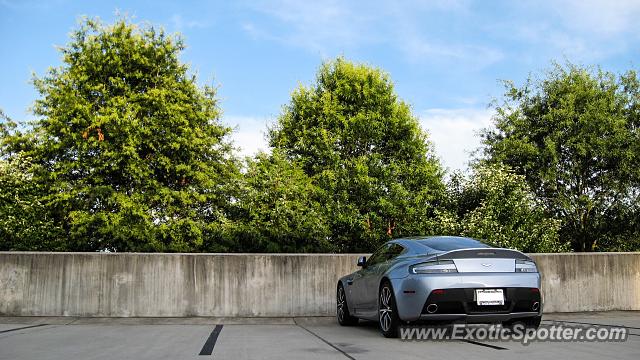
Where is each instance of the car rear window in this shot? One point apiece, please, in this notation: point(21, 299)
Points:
point(452, 243)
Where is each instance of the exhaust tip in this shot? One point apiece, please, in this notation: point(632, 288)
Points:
point(431, 308)
point(536, 306)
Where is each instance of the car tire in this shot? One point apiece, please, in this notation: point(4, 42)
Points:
point(532, 322)
point(529, 322)
point(388, 320)
point(342, 309)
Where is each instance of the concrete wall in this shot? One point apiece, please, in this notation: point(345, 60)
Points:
point(92, 284)
point(590, 281)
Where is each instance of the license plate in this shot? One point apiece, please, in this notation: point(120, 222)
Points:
point(489, 297)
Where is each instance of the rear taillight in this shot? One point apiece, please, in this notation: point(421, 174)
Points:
point(434, 267)
point(527, 266)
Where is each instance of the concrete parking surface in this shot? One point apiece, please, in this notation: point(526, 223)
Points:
point(278, 338)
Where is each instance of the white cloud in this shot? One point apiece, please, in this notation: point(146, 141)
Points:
point(329, 27)
point(603, 17)
point(455, 133)
point(249, 135)
point(314, 25)
point(580, 30)
point(418, 49)
point(180, 23)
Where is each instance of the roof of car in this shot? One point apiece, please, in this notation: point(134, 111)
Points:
point(434, 244)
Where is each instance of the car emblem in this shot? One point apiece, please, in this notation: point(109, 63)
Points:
point(487, 265)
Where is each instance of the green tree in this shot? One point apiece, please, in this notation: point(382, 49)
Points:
point(130, 148)
point(25, 222)
point(364, 148)
point(575, 136)
point(278, 209)
point(496, 205)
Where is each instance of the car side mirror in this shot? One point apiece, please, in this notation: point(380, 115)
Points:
point(362, 261)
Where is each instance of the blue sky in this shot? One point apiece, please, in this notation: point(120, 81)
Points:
point(445, 57)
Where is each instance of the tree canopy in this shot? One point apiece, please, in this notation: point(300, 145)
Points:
point(128, 153)
point(575, 137)
point(364, 148)
point(129, 148)
point(278, 209)
point(496, 205)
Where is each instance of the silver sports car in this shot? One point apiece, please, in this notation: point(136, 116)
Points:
point(440, 278)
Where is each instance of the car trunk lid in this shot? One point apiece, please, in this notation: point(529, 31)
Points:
point(484, 260)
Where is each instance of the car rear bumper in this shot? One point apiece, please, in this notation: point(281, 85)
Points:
point(477, 318)
point(457, 302)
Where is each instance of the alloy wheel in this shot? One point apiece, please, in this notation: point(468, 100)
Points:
point(386, 309)
point(341, 303)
